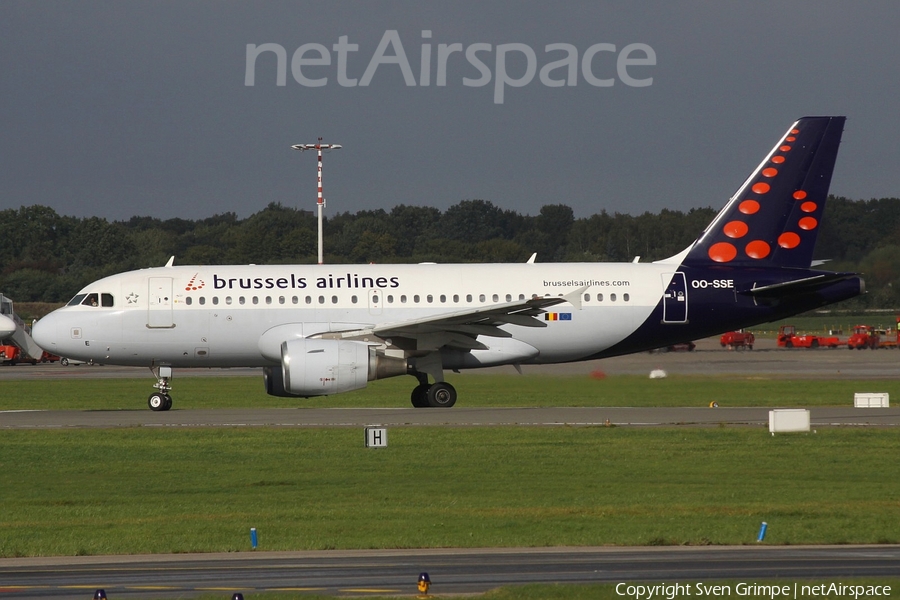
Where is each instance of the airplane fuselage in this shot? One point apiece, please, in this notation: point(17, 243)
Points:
point(218, 316)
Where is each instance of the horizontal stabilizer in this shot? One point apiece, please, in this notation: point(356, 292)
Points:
point(798, 286)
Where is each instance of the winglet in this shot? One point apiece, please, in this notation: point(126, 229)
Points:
point(574, 298)
point(171, 261)
point(530, 261)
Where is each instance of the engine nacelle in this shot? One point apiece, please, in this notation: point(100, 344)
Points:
point(318, 367)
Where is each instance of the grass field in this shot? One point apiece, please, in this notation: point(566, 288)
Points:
point(474, 390)
point(148, 490)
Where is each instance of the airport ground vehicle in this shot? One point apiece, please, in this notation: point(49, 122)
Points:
point(737, 339)
point(864, 336)
point(13, 355)
point(788, 338)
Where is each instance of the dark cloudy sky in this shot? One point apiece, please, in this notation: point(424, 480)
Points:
point(119, 108)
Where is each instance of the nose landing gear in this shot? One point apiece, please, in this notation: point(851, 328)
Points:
point(161, 400)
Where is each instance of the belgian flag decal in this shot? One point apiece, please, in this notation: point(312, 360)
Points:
point(550, 316)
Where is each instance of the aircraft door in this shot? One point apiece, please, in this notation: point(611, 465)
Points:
point(675, 299)
point(159, 314)
point(376, 299)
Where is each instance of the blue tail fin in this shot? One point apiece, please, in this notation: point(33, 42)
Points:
point(773, 219)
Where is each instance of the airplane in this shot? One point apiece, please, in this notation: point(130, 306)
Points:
point(325, 329)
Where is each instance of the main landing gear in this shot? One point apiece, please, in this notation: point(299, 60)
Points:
point(161, 400)
point(436, 395)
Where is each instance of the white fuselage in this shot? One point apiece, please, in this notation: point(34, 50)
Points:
point(216, 316)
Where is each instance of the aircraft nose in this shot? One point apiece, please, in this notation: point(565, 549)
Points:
point(7, 326)
point(44, 332)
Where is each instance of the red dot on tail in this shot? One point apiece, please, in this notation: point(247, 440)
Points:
point(749, 207)
point(722, 252)
point(808, 223)
point(736, 229)
point(757, 249)
point(788, 240)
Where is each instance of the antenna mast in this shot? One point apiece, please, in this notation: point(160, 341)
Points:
point(320, 200)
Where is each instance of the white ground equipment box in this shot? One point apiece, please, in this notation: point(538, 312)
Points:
point(788, 420)
point(868, 400)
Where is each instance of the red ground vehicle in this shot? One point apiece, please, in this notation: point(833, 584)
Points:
point(788, 338)
point(864, 336)
point(12, 355)
point(737, 339)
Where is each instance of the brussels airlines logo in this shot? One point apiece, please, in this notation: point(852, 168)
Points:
point(293, 282)
point(601, 65)
point(194, 284)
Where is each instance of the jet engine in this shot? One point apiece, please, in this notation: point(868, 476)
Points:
point(319, 367)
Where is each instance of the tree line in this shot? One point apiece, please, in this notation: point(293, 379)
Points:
point(47, 257)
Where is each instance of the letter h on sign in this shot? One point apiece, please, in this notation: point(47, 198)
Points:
point(376, 437)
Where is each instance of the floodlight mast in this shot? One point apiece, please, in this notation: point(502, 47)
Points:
point(320, 200)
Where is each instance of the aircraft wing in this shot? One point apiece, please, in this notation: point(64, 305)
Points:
point(459, 329)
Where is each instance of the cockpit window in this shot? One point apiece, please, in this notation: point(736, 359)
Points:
point(91, 300)
point(105, 300)
point(76, 300)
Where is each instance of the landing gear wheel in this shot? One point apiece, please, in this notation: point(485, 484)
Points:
point(168, 402)
point(419, 396)
point(158, 402)
point(441, 395)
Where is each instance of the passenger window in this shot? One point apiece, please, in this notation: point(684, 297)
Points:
point(430, 298)
point(202, 300)
point(268, 299)
point(521, 296)
point(509, 297)
point(295, 300)
point(215, 299)
point(481, 298)
point(255, 299)
point(612, 297)
point(309, 299)
point(334, 299)
point(456, 297)
point(375, 299)
point(390, 299)
point(587, 297)
point(106, 300)
point(188, 300)
point(321, 299)
point(280, 299)
point(227, 299)
point(403, 298)
point(354, 299)
point(626, 297)
point(242, 300)
point(443, 298)
point(416, 298)
point(468, 297)
point(599, 297)
point(495, 298)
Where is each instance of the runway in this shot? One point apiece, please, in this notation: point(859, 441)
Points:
point(395, 572)
point(460, 417)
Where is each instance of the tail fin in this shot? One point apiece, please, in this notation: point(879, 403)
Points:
point(773, 219)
